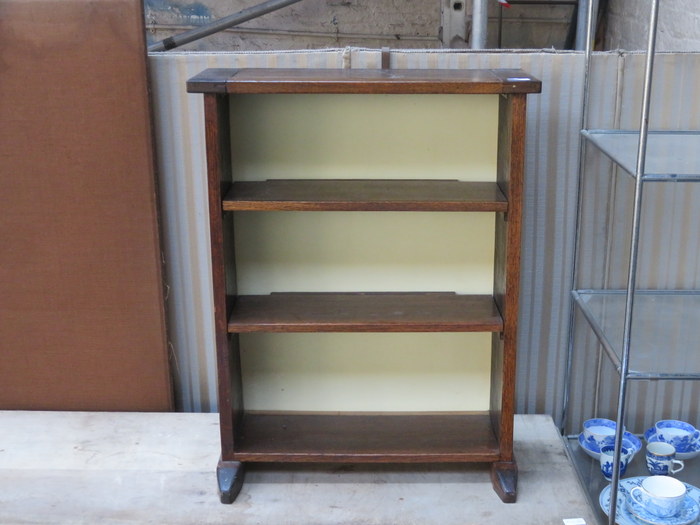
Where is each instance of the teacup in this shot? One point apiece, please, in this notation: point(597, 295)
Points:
point(661, 458)
point(683, 436)
point(662, 496)
point(607, 457)
point(599, 432)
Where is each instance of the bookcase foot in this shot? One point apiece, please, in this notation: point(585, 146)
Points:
point(504, 477)
point(229, 475)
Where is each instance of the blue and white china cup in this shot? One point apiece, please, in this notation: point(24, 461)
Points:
point(599, 432)
point(607, 456)
point(661, 458)
point(683, 436)
point(661, 496)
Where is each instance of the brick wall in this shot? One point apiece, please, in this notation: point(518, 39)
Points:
point(314, 24)
point(678, 30)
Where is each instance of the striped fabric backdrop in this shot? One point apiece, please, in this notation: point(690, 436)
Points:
point(670, 244)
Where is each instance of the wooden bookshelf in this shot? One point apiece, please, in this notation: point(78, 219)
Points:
point(375, 437)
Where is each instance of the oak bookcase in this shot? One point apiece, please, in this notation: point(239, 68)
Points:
point(252, 436)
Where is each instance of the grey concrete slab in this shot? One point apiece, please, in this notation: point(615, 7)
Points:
point(88, 468)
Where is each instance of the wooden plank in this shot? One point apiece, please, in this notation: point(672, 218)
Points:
point(216, 125)
point(363, 81)
point(83, 323)
point(365, 312)
point(365, 195)
point(367, 438)
point(511, 158)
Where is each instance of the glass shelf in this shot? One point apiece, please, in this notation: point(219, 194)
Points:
point(671, 155)
point(662, 320)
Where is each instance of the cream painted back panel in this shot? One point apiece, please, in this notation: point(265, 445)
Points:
point(366, 372)
point(364, 136)
point(375, 137)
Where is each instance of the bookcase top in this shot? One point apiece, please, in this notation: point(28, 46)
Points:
point(364, 81)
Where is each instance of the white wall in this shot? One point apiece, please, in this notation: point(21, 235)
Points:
point(678, 30)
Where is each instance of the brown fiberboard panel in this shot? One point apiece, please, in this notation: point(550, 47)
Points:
point(81, 305)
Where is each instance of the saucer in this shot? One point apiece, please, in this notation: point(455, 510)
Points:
point(687, 515)
point(595, 453)
point(650, 437)
point(624, 515)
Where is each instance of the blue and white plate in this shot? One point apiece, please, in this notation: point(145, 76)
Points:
point(688, 514)
point(650, 437)
point(594, 451)
point(624, 515)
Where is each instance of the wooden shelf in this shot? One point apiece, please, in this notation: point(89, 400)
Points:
point(365, 195)
point(367, 438)
point(364, 81)
point(365, 312)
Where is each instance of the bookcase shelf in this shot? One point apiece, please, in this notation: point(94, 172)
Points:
point(365, 312)
point(368, 438)
point(365, 195)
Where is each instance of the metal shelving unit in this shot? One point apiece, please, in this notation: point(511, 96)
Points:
point(629, 323)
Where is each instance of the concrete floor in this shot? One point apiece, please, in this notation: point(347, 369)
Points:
point(116, 468)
